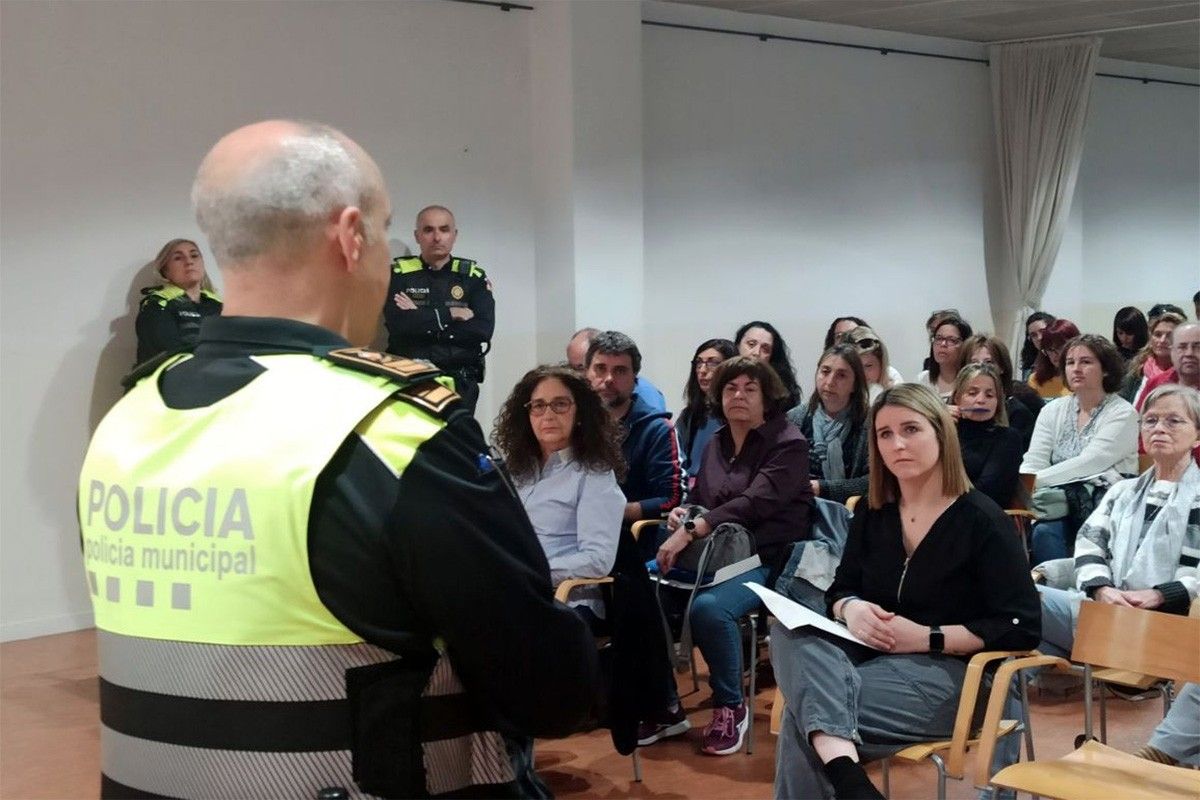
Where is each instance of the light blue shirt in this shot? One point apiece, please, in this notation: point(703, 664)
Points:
point(576, 514)
point(650, 393)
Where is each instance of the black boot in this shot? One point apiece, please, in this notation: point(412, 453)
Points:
point(850, 781)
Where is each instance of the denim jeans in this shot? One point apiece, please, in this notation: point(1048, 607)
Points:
point(1178, 735)
point(1049, 540)
point(714, 621)
point(1060, 610)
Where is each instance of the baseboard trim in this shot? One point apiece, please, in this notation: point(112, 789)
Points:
point(45, 626)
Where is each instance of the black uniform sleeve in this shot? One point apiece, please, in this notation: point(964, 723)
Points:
point(478, 329)
point(478, 576)
point(157, 330)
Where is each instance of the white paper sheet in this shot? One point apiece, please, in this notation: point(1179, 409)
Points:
point(792, 615)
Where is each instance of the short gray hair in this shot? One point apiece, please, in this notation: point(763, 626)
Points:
point(1189, 396)
point(311, 174)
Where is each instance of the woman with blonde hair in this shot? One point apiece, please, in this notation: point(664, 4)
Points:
point(1152, 360)
point(169, 314)
point(874, 356)
point(930, 575)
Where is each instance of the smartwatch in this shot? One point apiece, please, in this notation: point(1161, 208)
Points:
point(937, 639)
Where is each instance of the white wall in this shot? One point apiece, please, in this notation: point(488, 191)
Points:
point(796, 183)
point(108, 108)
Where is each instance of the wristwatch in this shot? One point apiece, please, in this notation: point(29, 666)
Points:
point(937, 639)
point(690, 527)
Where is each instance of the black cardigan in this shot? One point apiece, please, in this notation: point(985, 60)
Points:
point(969, 570)
point(992, 457)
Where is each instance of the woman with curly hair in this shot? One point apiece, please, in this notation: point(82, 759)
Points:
point(564, 452)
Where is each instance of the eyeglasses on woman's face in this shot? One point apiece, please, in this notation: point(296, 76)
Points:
point(1170, 422)
point(706, 363)
point(947, 341)
point(559, 405)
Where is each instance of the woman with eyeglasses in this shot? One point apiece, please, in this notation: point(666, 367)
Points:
point(1047, 378)
point(1084, 442)
point(949, 333)
point(873, 353)
point(696, 423)
point(1139, 547)
point(991, 450)
point(835, 423)
point(564, 453)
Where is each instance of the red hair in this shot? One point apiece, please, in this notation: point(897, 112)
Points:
point(1054, 337)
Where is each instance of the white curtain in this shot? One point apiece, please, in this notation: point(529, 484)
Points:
point(1040, 95)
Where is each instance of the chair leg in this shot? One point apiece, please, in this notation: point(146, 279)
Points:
point(1023, 680)
point(753, 683)
point(941, 768)
point(1087, 702)
point(1103, 713)
point(637, 766)
point(887, 783)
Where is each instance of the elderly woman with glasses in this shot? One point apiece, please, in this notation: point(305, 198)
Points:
point(564, 452)
point(1141, 545)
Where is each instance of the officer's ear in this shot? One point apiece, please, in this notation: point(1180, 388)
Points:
point(350, 235)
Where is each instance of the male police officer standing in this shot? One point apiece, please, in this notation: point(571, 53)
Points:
point(441, 307)
point(306, 573)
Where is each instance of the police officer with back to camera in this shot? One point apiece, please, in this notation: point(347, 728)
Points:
point(440, 307)
point(309, 578)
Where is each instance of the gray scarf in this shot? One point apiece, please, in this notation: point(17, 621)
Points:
point(828, 435)
point(1140, 561)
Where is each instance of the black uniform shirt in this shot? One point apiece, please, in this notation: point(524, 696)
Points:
point(429, 331)
point(442, 550)
point(165, 326)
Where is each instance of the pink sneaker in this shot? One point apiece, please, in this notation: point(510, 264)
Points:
point(725, 733)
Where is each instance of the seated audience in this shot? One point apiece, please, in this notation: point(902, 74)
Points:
point(835, 423)
point(1086, 440)
point(991, 449)
point(577, 349)
point(696, 423)
point(755, 476)
point(1130, 332)
point(1020, 401)
point(874, 355)
point(761, 341)
point(169, 314)
point(931, 324)
point(1138, 547)
point(947, 356)
point(1176, 740)
point(1035, 323)
point(841, 326)
point(931, 574)
point(1047, 377)
point(564, 453)
point(653, 481)
point(1153, 360)
point(1185, 359)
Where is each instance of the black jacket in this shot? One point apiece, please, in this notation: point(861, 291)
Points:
point(429, 331)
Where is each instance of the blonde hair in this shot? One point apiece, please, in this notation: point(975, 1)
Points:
point(883, 486)
point(869, 344)
point(164, 256)
point(971, 371)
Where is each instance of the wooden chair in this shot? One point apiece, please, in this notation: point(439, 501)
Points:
point(1114, 637)
point(949, 755)
point(851, 502)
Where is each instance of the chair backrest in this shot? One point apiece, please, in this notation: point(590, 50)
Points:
point(851, 502)
point(1149, 642)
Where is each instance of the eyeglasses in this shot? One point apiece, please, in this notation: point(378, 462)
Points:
point(559, 405)
point(947, 341)
point(1170, 423)
point(707, 363)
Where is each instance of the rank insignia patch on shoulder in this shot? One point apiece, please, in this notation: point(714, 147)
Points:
point(430, 395)
point(373, 361)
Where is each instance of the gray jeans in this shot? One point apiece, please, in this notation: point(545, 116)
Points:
point(881, 702)
point(1178, 735)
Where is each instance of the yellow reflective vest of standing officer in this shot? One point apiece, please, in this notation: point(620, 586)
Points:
point(224, 671)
